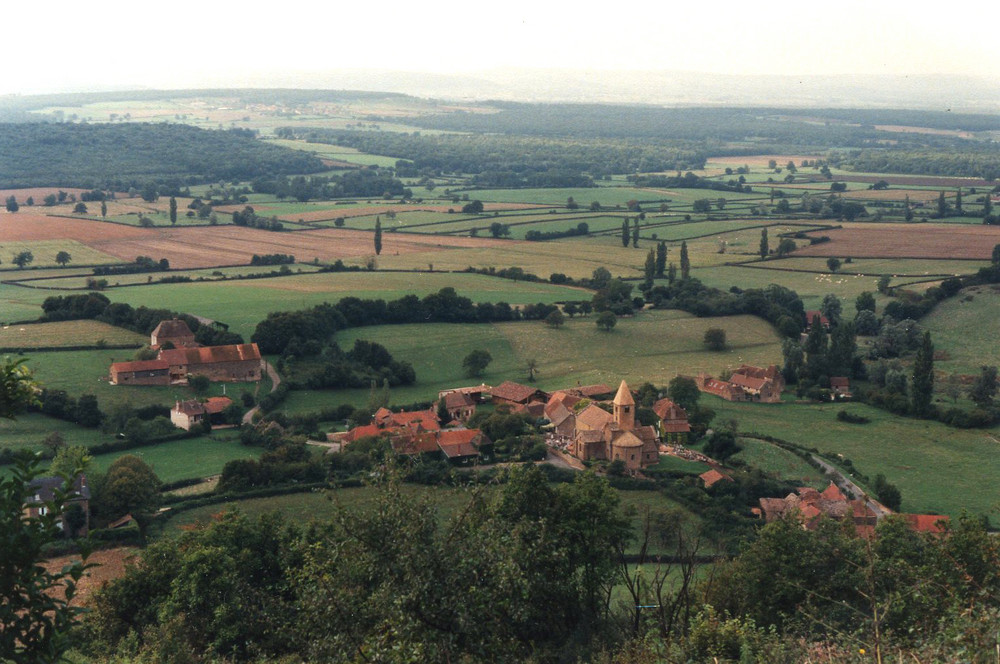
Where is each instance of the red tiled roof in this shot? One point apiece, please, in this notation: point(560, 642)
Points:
point(415, 443)
point(839, 382)
point(926, 523)
point(361, 432)
point(515, 392)
point(168, 329)
point(210, 354)
point(139, 365)
point(593, 417)
point(833, 492)
point(215, 405)
point(710, 477)
point(457, 400)
point(749, 382)
point(666, 409)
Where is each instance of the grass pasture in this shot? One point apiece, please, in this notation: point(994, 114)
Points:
point(189, 458)
point(44, 252)
point(938, 469)
point(654, 346)
point(30, 429)
point(67, 333)
point(965, 328)
point(779, 462)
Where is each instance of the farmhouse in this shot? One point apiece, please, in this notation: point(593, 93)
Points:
point(515, 394)
point(559, 410)
point(600, 435)
point(674, 426)
point(187, 414)
point(43, 491)
point(417, 420)
point(458, 446)
point(142, 372)
point(174, 331)
point(460, 406)
point(235, 362)
point(812, 315)
point(747, 383)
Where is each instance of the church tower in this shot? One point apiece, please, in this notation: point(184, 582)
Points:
point(624, 408)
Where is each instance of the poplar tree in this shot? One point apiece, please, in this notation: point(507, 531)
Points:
point(661, 258)
point(922, 383)
point(764, 249)
point(958, 201)
point(908, 214)
point(378, 236)
point(625, 232)
point(685, 262)
point(635, 233)
point(173, 210)
point(650, 268)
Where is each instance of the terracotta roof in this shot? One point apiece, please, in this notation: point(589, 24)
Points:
point(515, 392)
point(841, 382)
point(215, 405)
point(460, 443)
point(593, 417)
point(416, 419)
point(362, 432)
point(557, 413)
point(926, 523)
point(666, 409)
point(419, 443)
point(590, 436)
point(624, 396)
point(175, 327)
point(457, 400)
point(823, 320)
point(139, 365)
point(627, 439)
point(190, 407)
point(592, 391)
point(833, 492)
point(749, 382)
point(211, 354)
point(567, 399)
point(712, 476)
point(757, 372)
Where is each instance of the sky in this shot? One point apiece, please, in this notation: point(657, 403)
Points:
point(61, 45)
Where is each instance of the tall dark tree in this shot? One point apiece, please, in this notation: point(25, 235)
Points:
point(984, 388)
point(173, 210)
point(816, 350)
point(864, 302)
point(763, 243)
point(908, 211)
point(625, 232)
point(958, 201)
point(987, 205)
point(378, 236)
point(685, 261)
point(996, 255)
point(671, 274)
point(843, 346)
point(635, 232)
point(12, 205)
point(942, 206)
point(104, 209)
point(922, 383)
point(649, 269)
point(661, 258)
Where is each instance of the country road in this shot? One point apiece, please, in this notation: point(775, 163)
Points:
point(846, 485)
point(275, 381)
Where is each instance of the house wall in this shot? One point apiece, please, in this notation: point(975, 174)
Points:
point(158, 377)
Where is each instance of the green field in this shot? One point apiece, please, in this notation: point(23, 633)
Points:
point(189, 458)
point(243, 303)
point(143, 279)
point(67, 333)
point(937, 468)
point(654, 346)
point(779, 462)
point(86, 372)
point(30, 429)
point(965, 328)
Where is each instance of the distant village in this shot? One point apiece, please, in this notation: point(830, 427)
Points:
point(583, 424)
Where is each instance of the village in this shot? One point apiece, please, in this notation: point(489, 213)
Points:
point(585, 426)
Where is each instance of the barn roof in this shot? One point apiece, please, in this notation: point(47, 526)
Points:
point(174, 327)
point(211, 354)
point(140, 365)
point(511, 391)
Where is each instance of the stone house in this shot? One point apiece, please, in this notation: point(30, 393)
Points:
point(234, 362)
point(43, 491)
point(615, 436)
point(460, 406)
point(175, 331)
point(142, 372)
point(674, 426)
point(187, 414)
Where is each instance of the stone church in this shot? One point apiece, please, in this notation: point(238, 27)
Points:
point(600, 435)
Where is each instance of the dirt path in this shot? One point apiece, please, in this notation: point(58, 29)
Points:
point(846, 485)
point(275, 382)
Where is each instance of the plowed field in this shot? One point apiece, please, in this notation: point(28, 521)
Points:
point(907, 241)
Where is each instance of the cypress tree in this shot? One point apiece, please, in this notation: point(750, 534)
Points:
point(625, 232)
point(661, 258)
point(908, 215)
point(922, 384)
point(635, 233)
point(671, 274)
point(378, 236)
point(650, 268)
point(958, 201)
point(173, 210)
point(685, 262)
point(764, 250)
point(942, 206)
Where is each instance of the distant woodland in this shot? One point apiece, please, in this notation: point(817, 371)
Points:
point(120, 156)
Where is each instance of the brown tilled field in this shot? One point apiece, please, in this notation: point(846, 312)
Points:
point(333, 213)
point(232, 245)
point(110, 564)
point(906, 241)
point(916, 195)
point(30, 227)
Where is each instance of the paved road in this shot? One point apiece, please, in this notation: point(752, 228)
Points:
point(846, 485)
point(275, 381)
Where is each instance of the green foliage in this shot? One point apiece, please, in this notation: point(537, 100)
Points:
point(475, 362)
point(118, 156)
point(606, 320)
point(36, 617)
point(715, 338)
point(18, 389)
point(922, 382)
point(129, 487)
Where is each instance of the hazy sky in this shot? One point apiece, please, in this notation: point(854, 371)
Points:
point(183, 43)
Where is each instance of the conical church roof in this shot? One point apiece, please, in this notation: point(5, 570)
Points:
point(624, 396)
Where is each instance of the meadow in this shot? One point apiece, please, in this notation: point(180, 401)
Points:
point(964, 328)
point(652, 346)
point(937, 468)
point(67, 333)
